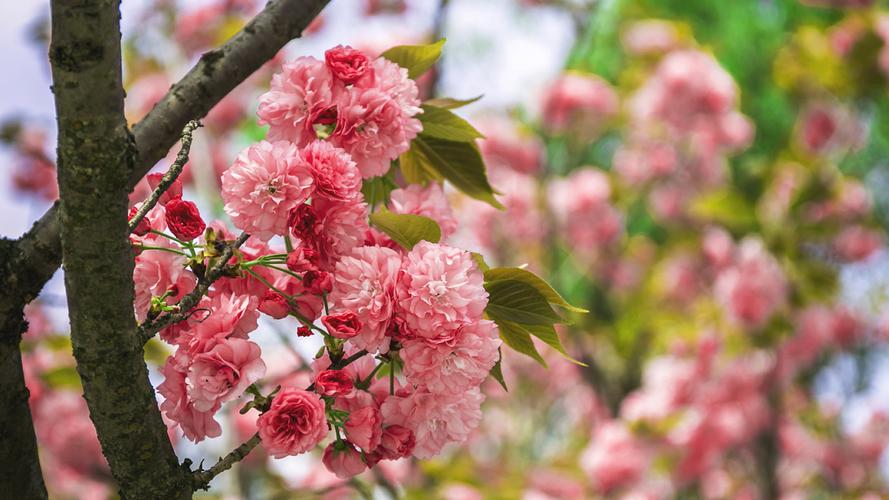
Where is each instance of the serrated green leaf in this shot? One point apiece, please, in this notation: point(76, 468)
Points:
point(406, 229)
point(520, 340)
point(497, 372)
point(525, 276)
point(444, 124)
point(519, 302)
point(451, 103)
point(549, 336)
point(460, 163)
point(416, 59)
point(64, 377)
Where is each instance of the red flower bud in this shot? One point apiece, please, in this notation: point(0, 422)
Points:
point(303, 331)
point(333, 383)
point(347, 64)
point(184, 219)
point(274, 304)
point(317, 282)
point(344, 325)
point(302, 259)
point(143, 227)
point(303, 222)
point(172, 192)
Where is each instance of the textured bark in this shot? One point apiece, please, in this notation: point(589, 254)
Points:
point(95, 156)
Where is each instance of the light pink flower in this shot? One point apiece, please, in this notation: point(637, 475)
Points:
point(343, 460)
point(429, 201)
point(300, 97)
point(650, 36)
point(453, 367)
point(506, 147)
point(580, 203)
point(364, 428)
point(216, 317)
point(335, 174)
point(294, 424)
point(440, 290)
point(856, 243)
point(223, 373)
point(364, 282)
point(266, 181)
point(614, 457)
point(577, 99)
point(754, 287)
point(156, 272)
point(435, 419)
point(196, 424)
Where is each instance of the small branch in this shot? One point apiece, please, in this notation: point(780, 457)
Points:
point(148, 328)
point(201, 479)
point(339, 365)
point(169, 178)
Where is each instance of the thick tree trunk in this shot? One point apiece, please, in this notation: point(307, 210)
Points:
point(96, 154)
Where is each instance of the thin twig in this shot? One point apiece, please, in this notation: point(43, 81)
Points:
point(169, 178)
point(202, 479)
point(150, 327)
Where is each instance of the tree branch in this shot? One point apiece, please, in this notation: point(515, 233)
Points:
point(202, 478)
point(169, 178)
point(188, 302)
point(95, 155)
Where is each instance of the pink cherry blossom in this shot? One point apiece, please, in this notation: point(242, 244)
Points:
point(364, 428)
point(754, 287)
point(223, 373)
point(156, 272)
point(364, 282)
point(435, 419)
point(577, 99)
point(294, 424)
point(440, 290)
point(196, 424)
point(614, 457)
point(266, 181)
point(343, 460)
point(335, 174)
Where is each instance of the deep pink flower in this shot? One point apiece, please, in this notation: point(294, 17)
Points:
point(440, 289)
point(266, 181)
point(452, 368)
point(298, 99)
point(172, 192)
point(333, 383)
point(364, 428)
point(343, 460)
point(302, 259)
point(348, 64)
point(223, 373)
point(364, 282)
point(335, 174)
point(294, 424)
point(183, 219)
point(396, 442)
point(343, 325)
point(435, 419)
point(144, 225)
point(274, 304)
point(429, 201)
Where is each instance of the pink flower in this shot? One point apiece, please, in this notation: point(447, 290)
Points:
point(223, 373)
point(580, 203)
point(156, 272)
point(614, 457)
point(440, 290)
point(435, 419)
point(294, 424)
point(364, 282)
point(343, 460)
point(453, 367)
point(754, 287)
point(429, 201)
point(196, 424)
point(347, 64)
point(266, 181)
point(396, 442)
point(335, 174)
point(302, 259)
point(375, 124)
point(274, 304)
point(341, 228)
point(183, 219)
point(216, 317)
point(365, 428)
point(580, 100)
point(173, 192)
point(506, 147)
point(299, 98)
point(333, 383)
point(650, 36)
point(344, 325)
point(856, 243)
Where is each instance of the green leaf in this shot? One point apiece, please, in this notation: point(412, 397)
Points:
point(480, 261)
point(64, 377)
point(520, 340)
point(460, 163)
point(517, 301)
point(376, 190)
point(497, 372)
point(548, 335)
point(451, 103)
point(416, 59)
point(444, 124)
point(726, 207)
point(406, 229)
point(416, 168)
point(525, 276)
